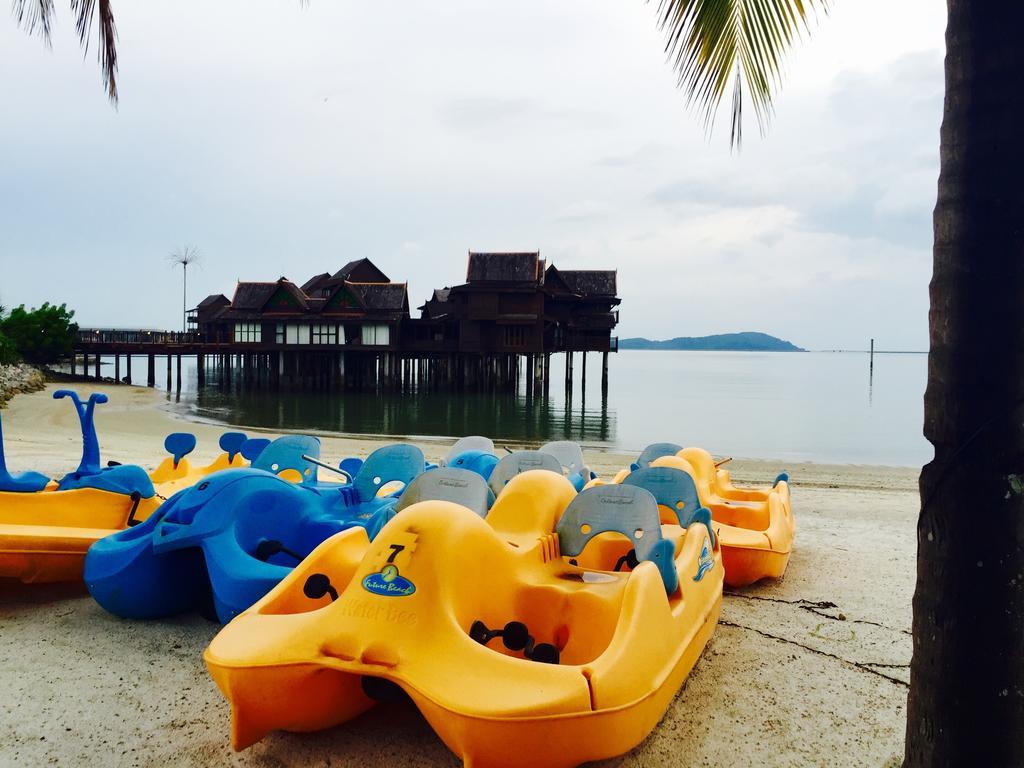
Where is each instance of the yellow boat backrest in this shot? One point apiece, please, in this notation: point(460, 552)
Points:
point(530, 506)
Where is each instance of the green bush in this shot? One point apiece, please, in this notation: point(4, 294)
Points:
point(40, 336)
point(8, 354)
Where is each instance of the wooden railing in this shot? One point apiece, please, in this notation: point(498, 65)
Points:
point(123, 336)
point(114, 337)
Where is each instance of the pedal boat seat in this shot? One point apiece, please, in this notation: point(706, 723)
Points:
point(570, 456)
point(470, 443)
point(518, 462)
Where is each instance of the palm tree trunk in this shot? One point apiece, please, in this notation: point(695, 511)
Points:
point(966, 704)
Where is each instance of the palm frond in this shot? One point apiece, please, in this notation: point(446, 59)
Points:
point(712, 42)
point(34, 16)
point(84, 11)
point(37, 16)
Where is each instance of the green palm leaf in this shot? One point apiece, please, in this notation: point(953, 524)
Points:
point(713, 42)
point(37, 16)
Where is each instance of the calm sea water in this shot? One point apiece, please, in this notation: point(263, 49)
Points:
point(816, 406)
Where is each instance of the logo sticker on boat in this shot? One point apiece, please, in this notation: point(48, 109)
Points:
point(706, 562)
point(388, 582)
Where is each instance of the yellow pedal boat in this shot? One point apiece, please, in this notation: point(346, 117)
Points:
point(756, 526)
point(588, 660)
point(47, 526)
point(44, 536)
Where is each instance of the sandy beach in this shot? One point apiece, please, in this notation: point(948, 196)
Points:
point(811, 670)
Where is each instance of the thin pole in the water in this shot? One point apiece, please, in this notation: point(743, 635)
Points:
point(871, 369)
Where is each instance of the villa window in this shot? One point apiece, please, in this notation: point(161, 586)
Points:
point(325, 334)
point(279, 336)
point(296, 334)
point(376, 335)
point(248, 333)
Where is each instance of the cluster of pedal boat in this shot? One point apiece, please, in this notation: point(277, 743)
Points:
point(533, 612)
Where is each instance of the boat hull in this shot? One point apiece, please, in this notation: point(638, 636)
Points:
point(44, 536)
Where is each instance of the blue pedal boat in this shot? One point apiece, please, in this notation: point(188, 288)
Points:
point(219, 546)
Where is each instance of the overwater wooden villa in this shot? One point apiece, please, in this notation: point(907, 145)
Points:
point(354, 329)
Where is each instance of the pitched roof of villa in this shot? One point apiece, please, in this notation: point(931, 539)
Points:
point(518, 267)
point(316, 283)
point(255, 296)
point(437, 305)
point(213, 299)
point(389, 297)
point(251, 295)
point(358, 271)
point(590, 282)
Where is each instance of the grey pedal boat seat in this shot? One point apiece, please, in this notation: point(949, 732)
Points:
point(655, 451)
point(470, 443)
point(625, 509)
point(459, 486)
point(518, 462)
point(568, 453)
point(675, 489)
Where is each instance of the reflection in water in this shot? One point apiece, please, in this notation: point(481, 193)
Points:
point(871, 381)
point(871, 372)
point(785, 406)
point(512, 416)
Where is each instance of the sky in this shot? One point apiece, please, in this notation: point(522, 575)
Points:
point(287, 140)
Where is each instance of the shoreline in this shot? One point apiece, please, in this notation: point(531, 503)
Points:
point(813, 665)
point(186, 411)
point(134, 423)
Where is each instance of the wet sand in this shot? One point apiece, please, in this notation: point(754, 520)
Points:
point(811, 670)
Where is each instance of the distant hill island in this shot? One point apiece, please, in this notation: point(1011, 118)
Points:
point(748, 341)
